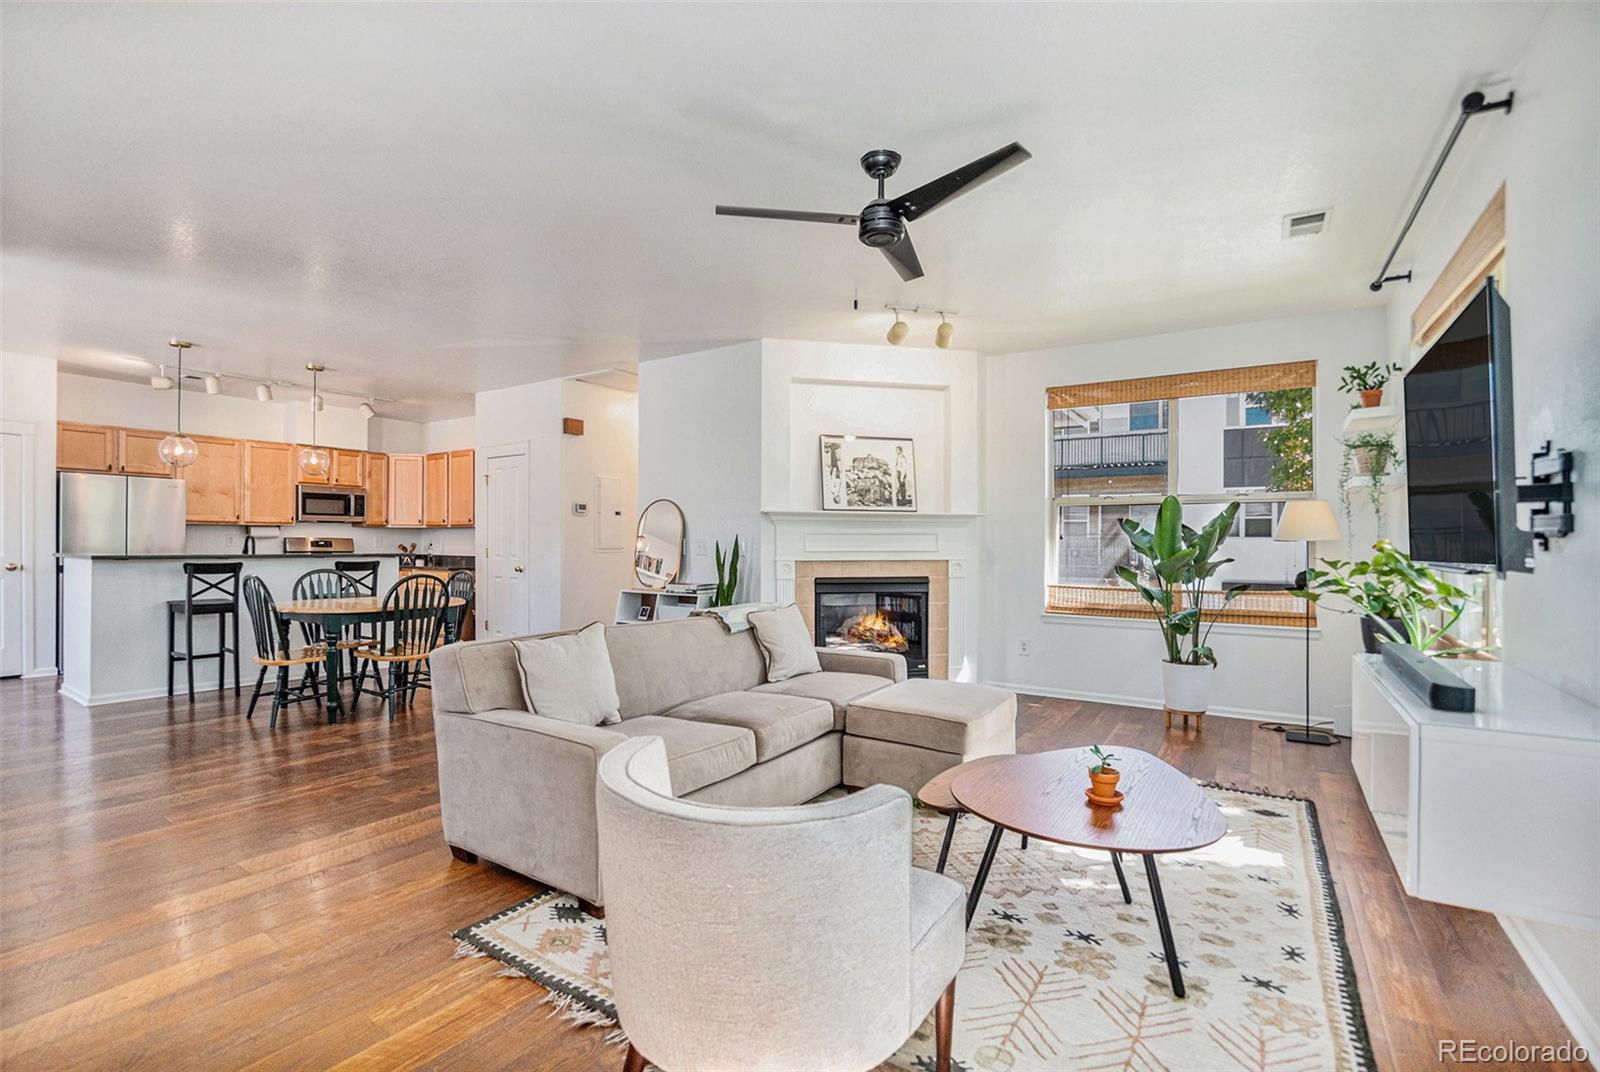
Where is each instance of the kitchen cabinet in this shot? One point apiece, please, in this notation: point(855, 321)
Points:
point(215, 487)
point(348, 469)
point(377, 486)
point(269, 471)
point(406, 490)
point(139, 452)
point(86, 448)
point(436, 490)
point(462, 487)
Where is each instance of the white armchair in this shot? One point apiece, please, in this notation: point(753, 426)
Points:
point(769, 938)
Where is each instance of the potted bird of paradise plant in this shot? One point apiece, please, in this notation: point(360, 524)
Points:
point(1181, 561)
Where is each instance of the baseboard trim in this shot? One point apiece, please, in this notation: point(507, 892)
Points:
point(1585, 1029)
point(100, 700)
point(1250, 714)
point(43, 671)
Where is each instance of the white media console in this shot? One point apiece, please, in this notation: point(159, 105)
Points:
point(1497, 810)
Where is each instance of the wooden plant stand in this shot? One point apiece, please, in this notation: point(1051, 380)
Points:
point(1199, 718)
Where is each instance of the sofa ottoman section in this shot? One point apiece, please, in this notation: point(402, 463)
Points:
point(905, 734)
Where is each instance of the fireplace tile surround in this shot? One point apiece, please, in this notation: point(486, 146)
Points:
point(808, 545)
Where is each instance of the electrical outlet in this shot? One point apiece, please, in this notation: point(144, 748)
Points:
point(702, 548)
point(1024, 646)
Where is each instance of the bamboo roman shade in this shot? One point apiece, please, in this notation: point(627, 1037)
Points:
point(1480, 255)
point(1280, 377)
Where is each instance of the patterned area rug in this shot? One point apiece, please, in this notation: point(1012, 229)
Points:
point(1061, 974)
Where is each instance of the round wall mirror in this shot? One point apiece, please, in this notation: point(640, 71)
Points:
point(658, 549)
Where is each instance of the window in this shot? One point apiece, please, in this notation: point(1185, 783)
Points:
point(1118, 447)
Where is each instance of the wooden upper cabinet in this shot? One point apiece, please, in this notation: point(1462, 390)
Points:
point(269, 471)
point(139, 454)
point(377, 490)
point(348, 469)
point(405, 490)
point(86, 448)
point(462, 488)
point(215, 487)
point(436, 490)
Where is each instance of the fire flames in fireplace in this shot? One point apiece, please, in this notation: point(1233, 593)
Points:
point(873, 630)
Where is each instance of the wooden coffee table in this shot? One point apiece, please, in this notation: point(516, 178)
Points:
point(936, 795)
point(1041, 794)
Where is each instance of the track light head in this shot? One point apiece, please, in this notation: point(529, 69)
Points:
point(945, 332)
point(263, 392)
point(213, 383)
point(898, 330)
point(316, 402)
point(366, 411)
point(162, 382)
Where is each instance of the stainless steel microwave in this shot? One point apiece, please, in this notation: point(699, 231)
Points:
point(316, 502)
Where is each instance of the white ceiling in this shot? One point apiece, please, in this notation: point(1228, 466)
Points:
point(438, 199)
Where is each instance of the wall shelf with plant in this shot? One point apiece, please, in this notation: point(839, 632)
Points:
point(1369, 462)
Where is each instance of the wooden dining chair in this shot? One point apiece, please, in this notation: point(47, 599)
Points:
point(410, 628)
point(462, 585)
point(364, 572)
point(327, 584)
point(271, 654)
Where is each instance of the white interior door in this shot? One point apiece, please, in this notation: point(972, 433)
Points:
point(505, 595)
point(12, 554)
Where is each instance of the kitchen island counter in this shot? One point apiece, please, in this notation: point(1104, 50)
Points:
point(114, 619)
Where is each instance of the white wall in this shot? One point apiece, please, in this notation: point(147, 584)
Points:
point(28, 404)
point(700, 445)
point(811, 389)
point(1547, 152)
point(530, 415)
point(1260, 670)
point(609, 447)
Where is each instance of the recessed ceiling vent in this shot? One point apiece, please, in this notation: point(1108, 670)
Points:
point(1305, 224)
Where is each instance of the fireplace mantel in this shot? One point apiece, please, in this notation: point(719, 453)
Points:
point(884, 538)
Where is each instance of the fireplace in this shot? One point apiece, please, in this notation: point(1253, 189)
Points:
point(875, 614)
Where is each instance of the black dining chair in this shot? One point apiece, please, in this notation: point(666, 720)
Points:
point(365, 573)
point(462, 585)
point(325, 584)
point(211, 589)
point(412, 623)
point(271, 652)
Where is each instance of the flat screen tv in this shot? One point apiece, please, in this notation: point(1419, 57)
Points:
point(1461, 483)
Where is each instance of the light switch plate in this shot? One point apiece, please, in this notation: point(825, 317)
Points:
point(580, 509)
point(702, 548)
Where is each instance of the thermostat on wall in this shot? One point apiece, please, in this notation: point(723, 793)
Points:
point(580, 509)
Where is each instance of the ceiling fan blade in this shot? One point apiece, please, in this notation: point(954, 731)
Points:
point(903, 255)
point(929, 196)
point(787, 214)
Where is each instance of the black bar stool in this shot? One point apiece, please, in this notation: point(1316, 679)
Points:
point(210, 588)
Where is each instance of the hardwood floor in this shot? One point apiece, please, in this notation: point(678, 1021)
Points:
point(180, 888)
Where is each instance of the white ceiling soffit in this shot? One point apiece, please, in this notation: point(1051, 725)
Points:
point(440, 199)
point(614, 378)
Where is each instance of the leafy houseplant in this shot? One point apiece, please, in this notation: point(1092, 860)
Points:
point(1388, 588)
point(1368, 380)
point(727, 575)
point(1369, 454)
point(1181, 561)
point(1103, 775)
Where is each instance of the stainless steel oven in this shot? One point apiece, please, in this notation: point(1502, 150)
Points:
point(318, 503)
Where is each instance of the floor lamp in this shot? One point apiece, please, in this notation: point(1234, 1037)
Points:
point(1307, 521)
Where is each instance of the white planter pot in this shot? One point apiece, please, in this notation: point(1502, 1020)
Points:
point(1186, 688)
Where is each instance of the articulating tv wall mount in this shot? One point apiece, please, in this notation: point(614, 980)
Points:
point(1552, 486)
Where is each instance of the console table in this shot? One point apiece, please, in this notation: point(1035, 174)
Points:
point(1493, 810)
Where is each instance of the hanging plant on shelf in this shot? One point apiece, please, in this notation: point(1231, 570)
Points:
point(1373, 455)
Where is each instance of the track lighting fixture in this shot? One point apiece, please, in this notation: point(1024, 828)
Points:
point(177, 449)
point(263, 392)
point(316, 402)
point(162, 382)
point(213, 383)
point(366, 411)
point(944, 333)
point(898, 330)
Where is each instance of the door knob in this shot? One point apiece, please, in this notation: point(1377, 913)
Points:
point(12, 567)
point(517, 569)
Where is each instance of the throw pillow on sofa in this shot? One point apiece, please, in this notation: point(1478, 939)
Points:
point(785, 642)
point(569, 677)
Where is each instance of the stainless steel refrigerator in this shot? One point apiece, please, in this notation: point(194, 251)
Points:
point(105, 514)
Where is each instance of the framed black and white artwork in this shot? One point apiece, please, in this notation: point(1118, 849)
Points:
point(877, 473)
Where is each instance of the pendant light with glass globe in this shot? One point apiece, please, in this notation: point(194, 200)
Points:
point(177, 449)
point(314, 460)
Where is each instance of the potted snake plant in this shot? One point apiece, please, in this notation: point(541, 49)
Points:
point(1180, 562)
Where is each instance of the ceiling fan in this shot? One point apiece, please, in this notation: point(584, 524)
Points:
point(882, 223)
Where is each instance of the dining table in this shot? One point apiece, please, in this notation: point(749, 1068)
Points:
point(334, 615)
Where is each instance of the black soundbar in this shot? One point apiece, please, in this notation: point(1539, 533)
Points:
point(1430, 678)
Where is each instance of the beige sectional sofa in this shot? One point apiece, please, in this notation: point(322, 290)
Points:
point(519, 789)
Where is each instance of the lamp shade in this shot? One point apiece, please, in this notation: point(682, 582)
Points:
point(1307, 520)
